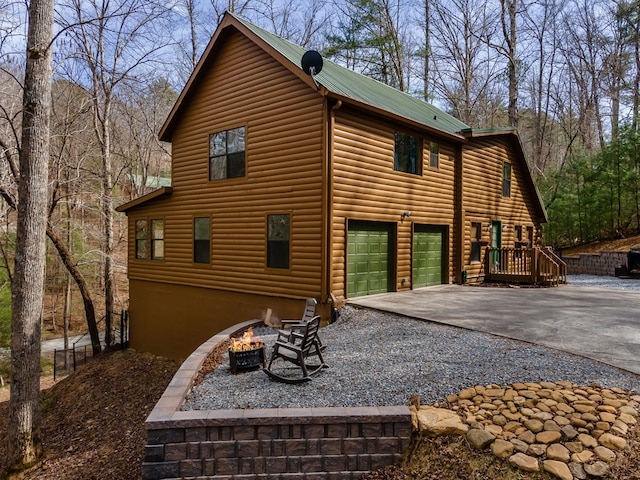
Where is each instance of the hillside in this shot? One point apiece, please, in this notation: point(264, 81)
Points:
point(622, 245)
point(93, 420)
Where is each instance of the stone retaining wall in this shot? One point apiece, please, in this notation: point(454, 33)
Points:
point(603, 263)
point(287, 443)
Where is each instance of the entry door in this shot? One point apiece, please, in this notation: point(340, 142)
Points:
point(496, 242)
point(428, 256)
point(368, 265)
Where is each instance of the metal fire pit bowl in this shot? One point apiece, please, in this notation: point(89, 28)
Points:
point(247, 360)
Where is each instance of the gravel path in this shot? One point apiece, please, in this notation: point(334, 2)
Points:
point(601, 281)
point(379, 359)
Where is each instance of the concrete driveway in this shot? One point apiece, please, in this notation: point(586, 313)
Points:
point(598, 323)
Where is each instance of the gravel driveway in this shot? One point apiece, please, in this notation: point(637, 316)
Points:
point(379, 359)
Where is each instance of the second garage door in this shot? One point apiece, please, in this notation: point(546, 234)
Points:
point(428, 256)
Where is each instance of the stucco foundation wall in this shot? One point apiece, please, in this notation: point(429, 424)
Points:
point(288, 443)
point(603, 263)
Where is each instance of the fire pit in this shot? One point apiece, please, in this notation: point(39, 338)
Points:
point(246, 353)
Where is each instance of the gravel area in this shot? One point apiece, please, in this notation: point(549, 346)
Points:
point(379, 359)
point(601, 281)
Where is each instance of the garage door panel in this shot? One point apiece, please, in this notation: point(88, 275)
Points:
point(428, 256)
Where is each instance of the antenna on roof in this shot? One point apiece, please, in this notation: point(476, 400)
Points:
point(312, 64)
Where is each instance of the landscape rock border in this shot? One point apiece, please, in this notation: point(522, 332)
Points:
point(572, 432)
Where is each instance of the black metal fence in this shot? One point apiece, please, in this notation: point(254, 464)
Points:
point(67, 360)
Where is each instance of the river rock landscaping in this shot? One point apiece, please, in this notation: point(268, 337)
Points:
point(569, 431)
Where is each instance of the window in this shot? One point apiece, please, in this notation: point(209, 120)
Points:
point(518, 233)
point(201, 240)
point(226, 154)
point(142, 236)
point(278, 239)
point(406, 157)
point(434, 155)
point(157, 239)
point(476, 234)
point(506, 179)
point(530, 236)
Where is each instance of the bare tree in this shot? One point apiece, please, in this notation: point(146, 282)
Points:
point(25, 445)
point(115, 41)
point(465, 69)
point(509, 9)
point(541, 22)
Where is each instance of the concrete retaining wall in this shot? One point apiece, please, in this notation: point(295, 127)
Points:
point(287, 443)
point(603, 263)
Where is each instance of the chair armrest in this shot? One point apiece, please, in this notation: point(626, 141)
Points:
point(288, 322)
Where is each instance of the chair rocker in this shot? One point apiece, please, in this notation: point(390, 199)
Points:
point(295, 346)
point(309, 313)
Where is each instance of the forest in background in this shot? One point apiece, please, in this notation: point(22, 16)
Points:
point(566, 74)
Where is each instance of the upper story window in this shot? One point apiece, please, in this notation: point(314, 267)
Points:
point(201, 240)
point(227, 154)
point(406, 156)
point(142, 237)
point(434, 155)
point(506, 179)
point(157, 239)
point(278, 240)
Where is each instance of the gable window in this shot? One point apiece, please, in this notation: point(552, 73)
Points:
point(142, 237)
point(506, 179)
point(157, 239)
point(476, 234)
point(226, 154)
point(278, 241)
point(406, 156)
point(201, 240)
point(434, 155)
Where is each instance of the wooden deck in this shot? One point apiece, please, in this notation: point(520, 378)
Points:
point(537, 266)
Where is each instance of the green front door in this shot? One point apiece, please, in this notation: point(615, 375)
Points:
point(428, 254)
point(367, 259)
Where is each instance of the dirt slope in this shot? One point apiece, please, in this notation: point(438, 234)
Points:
point(93, 420)
point(622, 245)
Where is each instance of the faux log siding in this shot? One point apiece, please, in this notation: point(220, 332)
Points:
point(284, 133)
point(483, 160)
point(366, 187)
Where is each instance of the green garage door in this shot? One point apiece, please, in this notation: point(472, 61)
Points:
point(367, 258)
point(428, 254)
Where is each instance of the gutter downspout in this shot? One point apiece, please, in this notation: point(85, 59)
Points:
point(328, 193)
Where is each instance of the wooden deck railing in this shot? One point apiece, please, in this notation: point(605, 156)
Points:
point(524, 265)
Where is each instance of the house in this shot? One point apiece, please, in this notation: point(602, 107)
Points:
point(287, 186)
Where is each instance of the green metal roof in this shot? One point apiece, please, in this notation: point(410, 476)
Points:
point(351, 85)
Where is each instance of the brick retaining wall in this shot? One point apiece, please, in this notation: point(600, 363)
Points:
point(286, 443)
point(603, 263)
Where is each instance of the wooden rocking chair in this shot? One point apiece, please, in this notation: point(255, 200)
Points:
point(294, 347)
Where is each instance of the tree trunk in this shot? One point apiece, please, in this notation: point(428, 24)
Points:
point(509, 29)
point(107, 212)
point(25, 446)
point(89, 310)
point(427, 49)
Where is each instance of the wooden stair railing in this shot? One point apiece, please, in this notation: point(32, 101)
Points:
point(526, 265)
